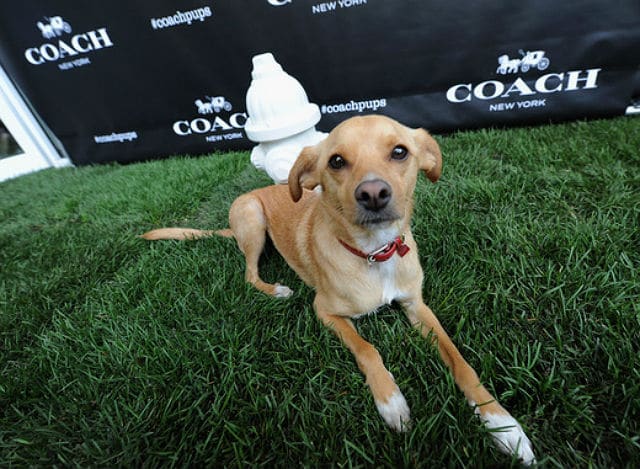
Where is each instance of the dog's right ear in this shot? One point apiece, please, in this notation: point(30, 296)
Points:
point(430, 156)
point(303, 174)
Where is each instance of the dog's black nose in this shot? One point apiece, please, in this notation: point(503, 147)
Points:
point(373, 195)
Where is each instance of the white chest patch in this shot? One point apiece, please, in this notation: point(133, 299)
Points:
point(390, 290)
point(382, 281)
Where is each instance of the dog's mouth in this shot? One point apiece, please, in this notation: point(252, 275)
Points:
point(373, 218)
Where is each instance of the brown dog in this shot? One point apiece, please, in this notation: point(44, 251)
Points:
point(351, 241)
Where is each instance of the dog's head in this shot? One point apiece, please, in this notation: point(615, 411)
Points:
point(367, 167)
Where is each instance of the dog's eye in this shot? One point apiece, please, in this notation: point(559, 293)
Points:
point(337, 162)
point(399, 153)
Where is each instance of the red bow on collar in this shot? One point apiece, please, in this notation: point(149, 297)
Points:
point(383, 253)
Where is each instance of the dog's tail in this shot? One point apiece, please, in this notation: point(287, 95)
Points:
point(184, 234)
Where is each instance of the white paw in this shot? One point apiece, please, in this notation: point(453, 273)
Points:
point(509, 436)
point(282, 291)
point(395, 412)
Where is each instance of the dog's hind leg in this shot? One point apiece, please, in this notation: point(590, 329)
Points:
point(249, 226)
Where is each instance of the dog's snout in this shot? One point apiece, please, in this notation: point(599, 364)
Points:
point(373, 195)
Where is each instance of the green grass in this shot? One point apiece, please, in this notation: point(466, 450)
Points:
point(119, 352)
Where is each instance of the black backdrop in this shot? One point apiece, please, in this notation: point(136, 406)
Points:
point(119, 80)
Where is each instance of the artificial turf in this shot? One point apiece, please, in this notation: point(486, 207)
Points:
point(116, 352)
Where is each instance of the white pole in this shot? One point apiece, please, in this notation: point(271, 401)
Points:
point(39, 152)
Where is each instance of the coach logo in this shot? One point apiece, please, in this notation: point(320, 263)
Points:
point(530, 59)
point(53, 27)
point(70, 51)
point(279, 3)
point(212, 105)
point(534, 89)
point(216, 127)
point(550, 83)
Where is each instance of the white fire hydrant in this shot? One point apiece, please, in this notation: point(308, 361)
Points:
point(281, 118)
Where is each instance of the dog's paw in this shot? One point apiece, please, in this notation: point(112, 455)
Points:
point(282, 291)
point(395, 412)
point(509, 436)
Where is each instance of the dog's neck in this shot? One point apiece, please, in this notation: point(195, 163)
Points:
point(368, 238)
point(372, 239)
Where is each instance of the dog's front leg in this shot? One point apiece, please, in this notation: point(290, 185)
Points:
point(389, 400)
point(505, 430)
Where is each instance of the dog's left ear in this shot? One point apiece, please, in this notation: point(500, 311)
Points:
point(303, 174)
point(429, 154)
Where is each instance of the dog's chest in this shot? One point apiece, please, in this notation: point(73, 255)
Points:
point(377, 286)
point(386, 276)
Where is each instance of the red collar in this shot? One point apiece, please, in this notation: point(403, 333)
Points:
point(383, 253)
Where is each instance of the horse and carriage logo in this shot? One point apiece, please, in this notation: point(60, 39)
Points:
point(211, 105)
point(53, 27)
point(529, 60)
